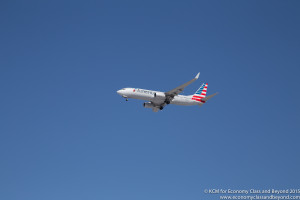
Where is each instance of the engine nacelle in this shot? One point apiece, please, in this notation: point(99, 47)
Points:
point(159, 95)
point(148, 105)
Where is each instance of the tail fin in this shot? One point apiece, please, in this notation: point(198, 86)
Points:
point(201, 92)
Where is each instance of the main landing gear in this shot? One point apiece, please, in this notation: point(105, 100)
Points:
point(161, 107)
point(126, 100)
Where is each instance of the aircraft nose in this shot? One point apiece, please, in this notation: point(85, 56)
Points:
point(119, 92)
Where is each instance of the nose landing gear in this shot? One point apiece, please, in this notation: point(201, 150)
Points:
point(126, 98)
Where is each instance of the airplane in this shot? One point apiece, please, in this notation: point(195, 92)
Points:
point(158, 100)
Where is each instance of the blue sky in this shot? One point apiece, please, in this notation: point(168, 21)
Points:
point(66, 134)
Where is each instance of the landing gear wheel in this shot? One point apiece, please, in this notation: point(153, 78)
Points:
point(168, 102)
point(161, 107)
point(126, 99)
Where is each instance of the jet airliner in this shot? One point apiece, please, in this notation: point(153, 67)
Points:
point(158, 100)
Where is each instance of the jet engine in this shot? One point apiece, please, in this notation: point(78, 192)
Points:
point(159, 95)
point(148, 105)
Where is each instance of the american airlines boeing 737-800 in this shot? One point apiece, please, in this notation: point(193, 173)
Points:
point(158, 100)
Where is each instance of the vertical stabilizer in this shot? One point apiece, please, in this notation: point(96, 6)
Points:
point(200, 93)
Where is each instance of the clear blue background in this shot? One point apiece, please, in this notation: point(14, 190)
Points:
point(66, 134)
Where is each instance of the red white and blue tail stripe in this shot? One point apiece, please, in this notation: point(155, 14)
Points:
point(200, 93)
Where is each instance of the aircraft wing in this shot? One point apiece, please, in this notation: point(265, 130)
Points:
point(179, 89)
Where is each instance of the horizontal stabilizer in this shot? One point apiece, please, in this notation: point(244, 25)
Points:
point(208, 97)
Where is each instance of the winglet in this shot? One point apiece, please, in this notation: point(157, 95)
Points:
point(197, 76)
